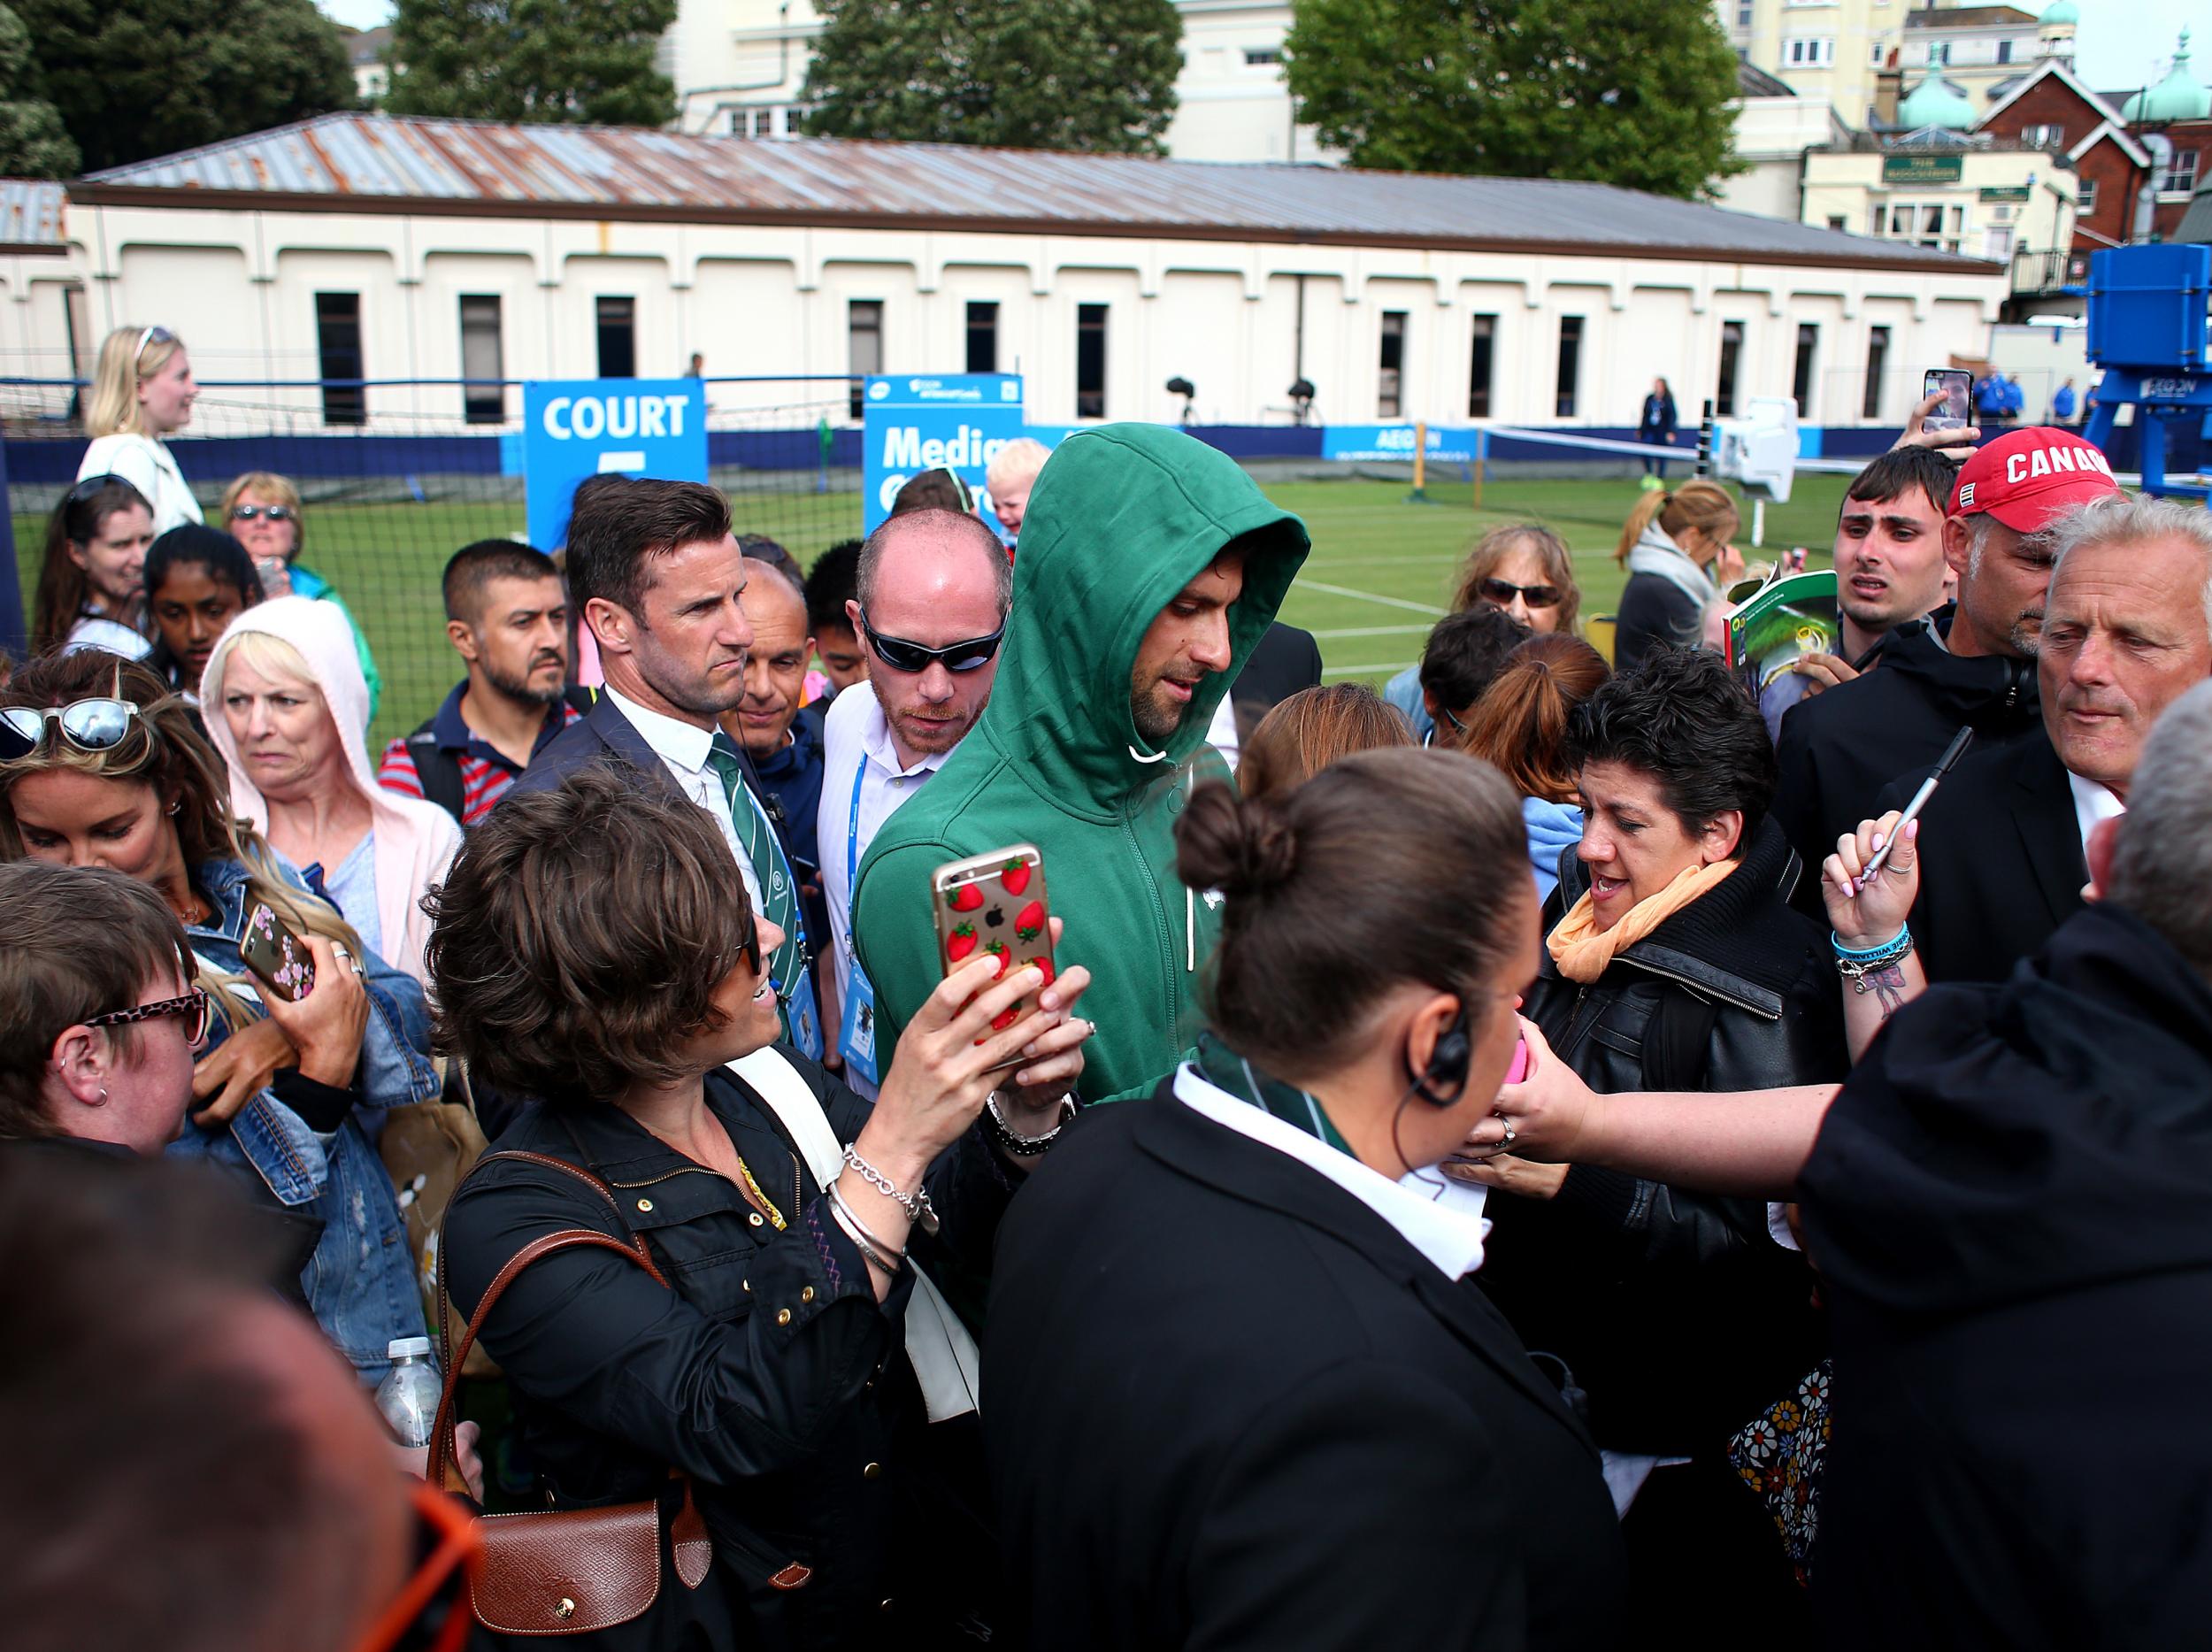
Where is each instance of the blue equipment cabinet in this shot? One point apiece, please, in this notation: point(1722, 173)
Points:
point(2147, 331)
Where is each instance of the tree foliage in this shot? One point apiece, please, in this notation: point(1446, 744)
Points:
point(134, 78)
point(1628, 92)
point(33, 143)
point(531, 60)
point(1050, 75)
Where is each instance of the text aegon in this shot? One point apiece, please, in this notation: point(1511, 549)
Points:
point(619, 417)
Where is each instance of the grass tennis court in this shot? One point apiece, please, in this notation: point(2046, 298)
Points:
point(1380, 572)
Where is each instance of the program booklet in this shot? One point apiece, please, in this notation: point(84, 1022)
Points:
point(1790, 616)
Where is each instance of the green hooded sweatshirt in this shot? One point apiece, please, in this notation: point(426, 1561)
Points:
point(1121, 520)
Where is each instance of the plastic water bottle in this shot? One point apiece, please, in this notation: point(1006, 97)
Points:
point(408, 1396)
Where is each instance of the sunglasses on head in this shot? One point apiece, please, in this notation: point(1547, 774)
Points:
point(151, 336)
point(254, 512)
point(91, 485)
point(1502, 592)
point(193, 1005)
point(911, 658)
point(99, 725)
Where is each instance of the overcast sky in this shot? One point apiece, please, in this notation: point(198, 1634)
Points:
point(2121, 43)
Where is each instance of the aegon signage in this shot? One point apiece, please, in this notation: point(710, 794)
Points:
point(576, 428)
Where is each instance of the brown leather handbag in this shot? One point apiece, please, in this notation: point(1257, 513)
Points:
point(570, 1571)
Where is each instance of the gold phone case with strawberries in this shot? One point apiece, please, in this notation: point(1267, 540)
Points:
point(996, 903)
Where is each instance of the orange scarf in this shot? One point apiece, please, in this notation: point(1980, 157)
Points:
point(1582, 951)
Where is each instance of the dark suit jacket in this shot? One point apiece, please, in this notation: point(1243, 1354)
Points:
point(2000, 860)
point(1230, 1406)
point(1285, 661)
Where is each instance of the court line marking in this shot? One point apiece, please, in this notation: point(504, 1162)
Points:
point(1430, 609)
point(1372, 631)
point(1391, 666)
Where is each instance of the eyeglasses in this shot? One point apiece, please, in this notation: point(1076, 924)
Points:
point(88, 724)
point(914, 658)
point(194, 1004)
point(455, 1555)
point(151, 335)
point(1502, 592)
point(254, 512)
point(1458, 725)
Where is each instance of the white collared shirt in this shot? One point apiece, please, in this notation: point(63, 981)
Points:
point(857, 748)
point(1440, 1217)
point(682, 749)
point(2093, 802)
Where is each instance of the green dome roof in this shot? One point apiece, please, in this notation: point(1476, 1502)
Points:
point(2064, 11)
point(2178, 98)
point(1932, 103)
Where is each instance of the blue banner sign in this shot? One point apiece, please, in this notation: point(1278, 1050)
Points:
point(572, 428)
point(1372, 444)
point(955, 421)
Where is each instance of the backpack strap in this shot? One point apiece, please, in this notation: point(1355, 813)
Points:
point(437, 771)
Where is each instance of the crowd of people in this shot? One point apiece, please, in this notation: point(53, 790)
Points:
point(1532, 1155)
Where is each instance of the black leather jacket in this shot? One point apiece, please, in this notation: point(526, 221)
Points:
point(770, 1372)
point(1675, 1309)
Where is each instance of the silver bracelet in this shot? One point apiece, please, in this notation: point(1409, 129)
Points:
point(916, 1204)
point(856, 1230)
point(1021, 1146)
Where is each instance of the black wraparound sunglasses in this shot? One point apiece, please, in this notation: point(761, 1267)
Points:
point(913, 658)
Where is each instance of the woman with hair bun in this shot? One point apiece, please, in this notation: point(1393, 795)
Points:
point(1244, 1388)
point(1519, 725)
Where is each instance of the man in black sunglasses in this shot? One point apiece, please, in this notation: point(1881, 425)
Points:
point(1150, 566)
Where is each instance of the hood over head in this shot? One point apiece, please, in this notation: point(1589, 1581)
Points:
point(1123, 517)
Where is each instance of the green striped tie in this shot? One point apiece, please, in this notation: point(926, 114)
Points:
point(779, 890)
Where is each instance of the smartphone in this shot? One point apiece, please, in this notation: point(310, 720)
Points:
point(1955, 411)
point(1517, 1069)
point(275, 955)
point(995, 903)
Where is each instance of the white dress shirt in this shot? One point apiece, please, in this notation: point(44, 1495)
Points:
point(682, 749)
point(2093, 802)
point(1440, 1217)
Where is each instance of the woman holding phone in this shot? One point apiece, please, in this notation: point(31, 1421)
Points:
point(100, 766)
point(799, 1368)
point(1245, 1389)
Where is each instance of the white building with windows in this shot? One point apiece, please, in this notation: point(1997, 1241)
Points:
point(385, 247)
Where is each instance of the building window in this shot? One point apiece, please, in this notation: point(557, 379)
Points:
point(2180, 176)
point(1940, 52)
point(1570, 367)
point(1255, 55)
point(1876, 54)
point(1731, 357)
point(1901, 222)
point(1877, 364)
point(1809, 54)
point(1090, 361)
point(2004, 51)
point(1802, 379)
point(2086, 202)
point(2042, 137)
point(1390, 364)
point(1482, 361)
point(1743, 13)
point(338, 342)
point(617, 320)
point(1836, 222)
point(483, 364)
point(982, 338)
point(864, 347)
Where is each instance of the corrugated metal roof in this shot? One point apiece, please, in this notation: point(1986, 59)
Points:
point(31, 215)
point(364, 163)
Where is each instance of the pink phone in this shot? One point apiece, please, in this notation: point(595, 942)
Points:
point(1516, 1069)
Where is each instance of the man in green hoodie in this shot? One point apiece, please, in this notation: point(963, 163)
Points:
point(1150, 566)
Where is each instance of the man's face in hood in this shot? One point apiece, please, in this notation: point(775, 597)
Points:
point(1187, 640)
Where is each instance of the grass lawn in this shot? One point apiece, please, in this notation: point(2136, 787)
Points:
point(1380, 572)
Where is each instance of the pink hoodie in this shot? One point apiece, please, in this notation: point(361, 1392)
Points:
point(415, 841)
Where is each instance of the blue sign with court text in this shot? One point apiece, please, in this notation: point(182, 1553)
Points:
point(912, 424)
point(572, 428)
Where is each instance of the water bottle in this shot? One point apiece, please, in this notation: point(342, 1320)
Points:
point(408, 1396)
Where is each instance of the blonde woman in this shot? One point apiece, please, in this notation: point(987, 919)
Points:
point(263, 512)
point(1677, 550)
point(1521, 567)
point(285, 705)
point(142, 392)
point(100, 766)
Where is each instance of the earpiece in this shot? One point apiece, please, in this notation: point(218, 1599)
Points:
point(1448, 1064)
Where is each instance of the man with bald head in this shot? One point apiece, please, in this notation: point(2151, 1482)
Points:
point(782, 737)
point(934, 587)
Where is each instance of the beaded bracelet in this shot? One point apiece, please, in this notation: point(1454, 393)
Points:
point(916, 1204)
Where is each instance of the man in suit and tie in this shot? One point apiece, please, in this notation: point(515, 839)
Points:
point(656, 574)
point(2126, 629)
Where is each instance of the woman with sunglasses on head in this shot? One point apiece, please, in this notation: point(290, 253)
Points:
point(265, 513)
point(795, 1366)
point(91, 590)
point(100, 766)
point(142, 392)
point(1522, 567)
point(198, 579)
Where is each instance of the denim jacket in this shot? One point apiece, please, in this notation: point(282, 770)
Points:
point(361, 1283)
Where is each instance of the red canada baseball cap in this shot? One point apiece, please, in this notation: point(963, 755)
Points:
point(2027, 477)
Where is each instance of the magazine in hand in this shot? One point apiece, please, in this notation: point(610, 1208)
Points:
point(1784, 621)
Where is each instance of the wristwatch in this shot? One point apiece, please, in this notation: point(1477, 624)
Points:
point(1023, 1146)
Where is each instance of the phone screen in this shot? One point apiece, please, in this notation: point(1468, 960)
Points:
point(1955, 411)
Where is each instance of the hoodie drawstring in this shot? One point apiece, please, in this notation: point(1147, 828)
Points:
point(1190, 931)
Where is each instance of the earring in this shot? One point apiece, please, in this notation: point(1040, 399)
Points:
point(103, 1101)
point(173, 807)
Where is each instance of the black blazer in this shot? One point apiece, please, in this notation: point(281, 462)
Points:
point(2000, 860)
point(1285, 661)
point(1229, 1405)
